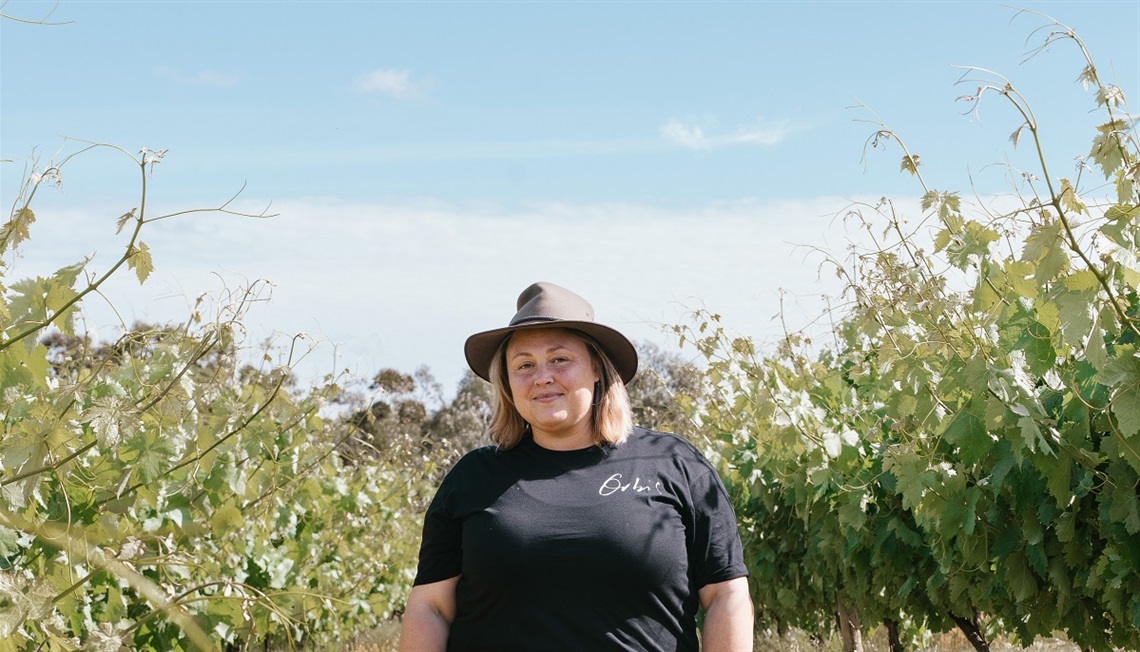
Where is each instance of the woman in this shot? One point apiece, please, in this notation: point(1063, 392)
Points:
point(575, 531)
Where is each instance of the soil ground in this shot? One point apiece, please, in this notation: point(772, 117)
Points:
point(383, 639)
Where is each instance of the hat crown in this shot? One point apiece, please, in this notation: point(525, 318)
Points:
point(548, 302)
point(546, 305)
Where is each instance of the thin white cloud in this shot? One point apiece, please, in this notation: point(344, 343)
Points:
point(701, 134)
point(759, 134)
point(201, 78)
point(396, 83)
point(691, 136)
point(740, 259)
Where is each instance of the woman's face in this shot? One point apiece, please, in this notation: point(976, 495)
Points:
point(552, 380)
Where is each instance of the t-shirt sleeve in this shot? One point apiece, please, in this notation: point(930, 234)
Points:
point(716, 554)
point(441, 546)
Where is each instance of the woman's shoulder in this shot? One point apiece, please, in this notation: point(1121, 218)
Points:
point(481, 451)
point(482, 465)
point(670, 451)
point(479, 456)
point(664, 442)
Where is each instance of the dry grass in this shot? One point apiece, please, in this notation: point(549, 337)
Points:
point(953, 641)
point(381, 639)
point(384, 638)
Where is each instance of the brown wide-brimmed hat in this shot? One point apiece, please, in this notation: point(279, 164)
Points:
point(546, 305)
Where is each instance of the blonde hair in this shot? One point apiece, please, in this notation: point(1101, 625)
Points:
point(611, 415)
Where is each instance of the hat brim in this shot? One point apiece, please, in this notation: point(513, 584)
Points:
point(480, 348)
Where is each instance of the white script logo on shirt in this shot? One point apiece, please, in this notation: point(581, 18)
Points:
point(614, 484)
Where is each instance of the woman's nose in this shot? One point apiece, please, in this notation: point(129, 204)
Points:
point(543, 376)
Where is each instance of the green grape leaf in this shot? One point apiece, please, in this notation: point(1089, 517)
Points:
point(1125, 507)
point(960, 514)
point(1048, 316)
point(1019, 577)
point(1057, 470)
point(1075, 318)
point(1126, 181)
point(948, 203)
point(148, 454)
point(1095, 352)
point(8, 542)
point(1065, 526)
point(1046, 247)
point(26, 367)
point(1084, 279)
point(41, 300)
point(911, 477)
point(1020, 277)
point(1037, 343)
point(1123, 368)
point(969, 434)
point(1107, 150)
point(139, 260)
point(969, 241)
point(1120, 225)
point(22, 452)
point(1035, 554)
point(105, 416)
point(227, 519)
point(904, 404)
point(904, 533)
point(1042, 239)
point(986, 297)
point(1070, 200)
point(1126, 409)
point(852, 515)
point(942, 240)
point(1055, 262)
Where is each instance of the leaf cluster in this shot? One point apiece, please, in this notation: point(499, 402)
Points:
point(160, 492)
point(967, 450)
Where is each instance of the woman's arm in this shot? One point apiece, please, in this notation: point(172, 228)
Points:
point(728, 616)
point(428, 616)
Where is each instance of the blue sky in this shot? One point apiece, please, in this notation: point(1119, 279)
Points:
point(426, 161)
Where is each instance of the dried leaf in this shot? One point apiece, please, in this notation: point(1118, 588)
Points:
point(910, 164)
point(123, 219)
point(15, 230)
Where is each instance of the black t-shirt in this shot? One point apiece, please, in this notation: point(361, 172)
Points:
point(596, 549)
